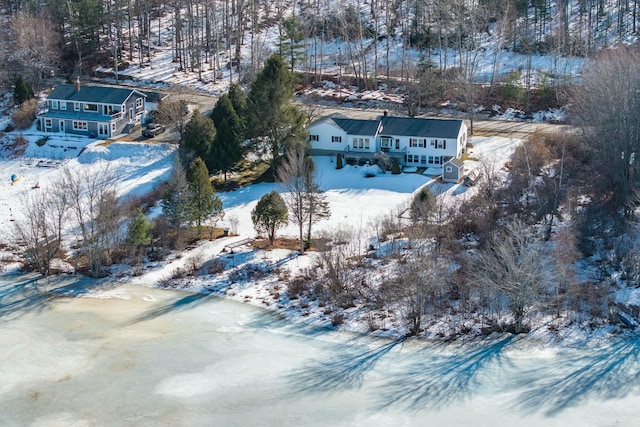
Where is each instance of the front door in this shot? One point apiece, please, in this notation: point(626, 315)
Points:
point(61, 124)
point(103, 129)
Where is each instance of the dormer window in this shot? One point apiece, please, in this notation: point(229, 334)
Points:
point(54, 105)
point(91, 107)
point(76, 106)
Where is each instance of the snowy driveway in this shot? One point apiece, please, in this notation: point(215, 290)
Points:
point(135, 356)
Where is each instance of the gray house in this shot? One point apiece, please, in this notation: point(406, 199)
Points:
point(95, 111)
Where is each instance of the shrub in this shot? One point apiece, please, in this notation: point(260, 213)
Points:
point(298, 286)
point(26, 114)
point(42, 141)
point(395, 167)
point(423, 204)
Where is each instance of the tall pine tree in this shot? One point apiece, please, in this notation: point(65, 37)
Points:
point(203, 200)
point(175, 204)
point(227, 148)
point(273, 122)
point(199, 134)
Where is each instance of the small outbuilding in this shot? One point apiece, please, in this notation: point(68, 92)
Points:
point(452, 170)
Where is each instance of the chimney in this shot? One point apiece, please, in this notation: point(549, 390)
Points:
point(77, 84)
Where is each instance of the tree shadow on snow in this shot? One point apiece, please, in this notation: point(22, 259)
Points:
point(608, 372)
point(27, 293)
point(339, 373)
point(443, 379)
point(183, 303)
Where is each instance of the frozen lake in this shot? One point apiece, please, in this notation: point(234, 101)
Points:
point(132, 356)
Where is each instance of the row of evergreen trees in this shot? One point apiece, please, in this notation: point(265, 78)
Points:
point(265, 117)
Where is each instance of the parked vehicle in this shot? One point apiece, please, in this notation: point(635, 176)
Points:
point(152, 129)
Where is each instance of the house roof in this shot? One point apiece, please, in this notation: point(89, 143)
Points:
point(456, 162)
point(435, 128)
point(357, 126)
point(401, 126)
point(101, 94)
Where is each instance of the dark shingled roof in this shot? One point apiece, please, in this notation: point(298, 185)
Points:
point(402, 126)
point(357, 127)
point(436, 128)
point(101, 94)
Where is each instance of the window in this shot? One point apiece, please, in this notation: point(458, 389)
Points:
point(436, 160)
point(311, 137)
point(448, 169)
point(423, 160)
point(54, 105)
point(366, 143)
point(441, 144)
point(76, 106)
point(360, 143)
point(47, 123)
point(113, 127)
point(91, 107)
point(63, 105)
point(139, 104)
point(412, 158)
point(430, 160)
point(78, 125)
point(397, 143)
point(417, 142)
point(336, 139)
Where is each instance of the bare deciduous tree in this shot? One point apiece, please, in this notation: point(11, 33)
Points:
point(37, 232)
point(607, 104)
point(35, 45)
point(93, 206)
point(510, 266)
point(305, 200)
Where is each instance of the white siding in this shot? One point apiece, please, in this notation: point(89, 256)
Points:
point(326, 131)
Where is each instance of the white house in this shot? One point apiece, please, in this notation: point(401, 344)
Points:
point(415, 141)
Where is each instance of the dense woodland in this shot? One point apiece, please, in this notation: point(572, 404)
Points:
point(425, 47)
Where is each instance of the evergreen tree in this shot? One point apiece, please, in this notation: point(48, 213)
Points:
point(22, 91)
point(227, 148)
point(269, 215)
point(203, 201)
point(395, 166)
point(239, 102)
point(423, 204)
point(175, 204)
point(199, 134)
point(139, 232)
point(291, 37)
point(273, 122)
